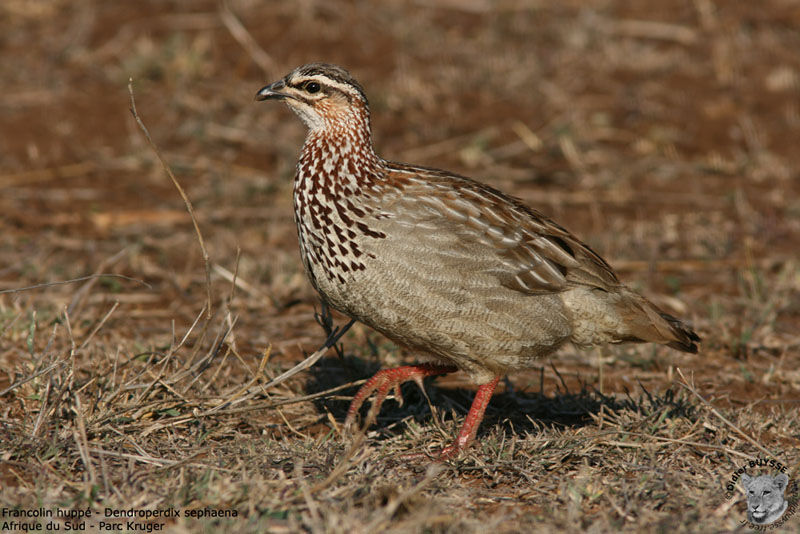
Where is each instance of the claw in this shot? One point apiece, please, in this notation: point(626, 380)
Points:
point(391, 379)
point(398, 396)
point(388, 380)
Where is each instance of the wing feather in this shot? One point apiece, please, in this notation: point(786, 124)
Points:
point(534, 255)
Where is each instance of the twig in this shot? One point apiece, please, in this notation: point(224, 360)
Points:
point(185, 198)
point(647, 29)
point(305, 364)
point(244, 389)
point(616, 507)
point(75, 280)
point(43, 408)
point(348, 460)
point(733, 427)
point(680, 442)
point(228, 313)
point(35, 375)
point(527, 136)
point(139, 458)
point(215, 411)
point(99, 326)
point(382, 522)
point(243, 37)
point(311, 360)
point(81, 293)
point(325, 320)
point(204, 363)
point(238, 282)
point(162, 462)
point(10, 323)
point(82, 441)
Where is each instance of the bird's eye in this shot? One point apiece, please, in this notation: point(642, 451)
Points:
point(312, 87)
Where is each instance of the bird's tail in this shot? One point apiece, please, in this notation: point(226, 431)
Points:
point(686, 339)
point(648, 323)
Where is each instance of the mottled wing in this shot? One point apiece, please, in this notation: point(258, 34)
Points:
point(534, 255)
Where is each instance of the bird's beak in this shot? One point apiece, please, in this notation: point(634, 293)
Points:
point(273, 92)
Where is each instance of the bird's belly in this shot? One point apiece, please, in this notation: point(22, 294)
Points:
point(450, 310)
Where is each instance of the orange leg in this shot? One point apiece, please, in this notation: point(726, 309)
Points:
point(470, 427)
point(390, 379)
point(387, 380)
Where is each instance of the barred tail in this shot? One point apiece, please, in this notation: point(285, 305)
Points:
point(686, 339)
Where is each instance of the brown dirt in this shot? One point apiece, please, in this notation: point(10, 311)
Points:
point(664, 134)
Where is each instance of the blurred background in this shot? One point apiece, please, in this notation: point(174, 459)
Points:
point(665, 134)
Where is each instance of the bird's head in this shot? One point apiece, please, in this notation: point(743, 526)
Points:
point(322, 95)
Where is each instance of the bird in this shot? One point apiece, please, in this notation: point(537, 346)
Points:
point(442, 264)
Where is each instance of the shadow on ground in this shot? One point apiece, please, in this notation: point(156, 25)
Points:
point(520, 411)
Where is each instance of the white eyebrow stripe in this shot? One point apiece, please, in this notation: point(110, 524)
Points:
point(324, 80)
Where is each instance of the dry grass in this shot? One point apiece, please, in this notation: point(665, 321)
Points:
point(664, 134)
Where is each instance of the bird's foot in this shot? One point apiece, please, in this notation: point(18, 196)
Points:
point(387, 380)
point(468, 430)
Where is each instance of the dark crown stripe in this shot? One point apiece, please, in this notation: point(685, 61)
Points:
point(334, 72)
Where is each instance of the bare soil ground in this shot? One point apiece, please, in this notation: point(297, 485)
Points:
point(663, 133)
